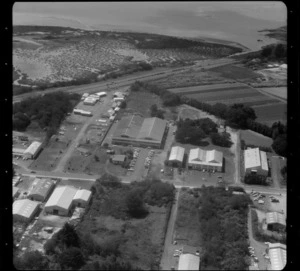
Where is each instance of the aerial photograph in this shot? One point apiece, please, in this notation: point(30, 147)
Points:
point(149, 135)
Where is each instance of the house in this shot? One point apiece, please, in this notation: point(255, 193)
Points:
point(41, 190)
point(118, 159)
point(82, 198)
point(205, 159)
point(256, 162)
point(176, 156)
point(189, 262)
point(61, 201)
point(275, 221)
point(32, 151)
point(24, 210)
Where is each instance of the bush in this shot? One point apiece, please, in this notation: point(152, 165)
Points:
point(135, 204)
point(71, 258)
point(255, 179)
point(222, 140)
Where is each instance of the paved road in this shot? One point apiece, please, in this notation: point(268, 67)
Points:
point(167, 260)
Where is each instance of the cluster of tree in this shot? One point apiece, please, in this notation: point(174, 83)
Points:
point(17, 90)
point(284, 172)
point(48, 111)
point(221, 139)
point(279, 135)
point(244, 146)
point(123, 105)
point(274, 51)
point(255, 179)
point(155, 112)
point(223, 218)
point(259, 233)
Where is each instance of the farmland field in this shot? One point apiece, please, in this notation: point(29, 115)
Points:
point(281, 92)
point(253, 138)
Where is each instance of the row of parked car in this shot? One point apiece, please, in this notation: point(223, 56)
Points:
point(149, 158)
point(252, 254)
point(136, 153)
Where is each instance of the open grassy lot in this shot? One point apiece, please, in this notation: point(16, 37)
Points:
point(268, 114)
point(187, 225)
point(140, 102)
point(136, 240)
point(281, 92)
point(254, 138)
point(236, 72)
point(49, 157)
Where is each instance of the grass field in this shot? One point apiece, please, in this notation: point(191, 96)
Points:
point(187, 225)
point(254, 138)
point(281, 92)
point(268, 114)
point(235, 72)
point(50, 156)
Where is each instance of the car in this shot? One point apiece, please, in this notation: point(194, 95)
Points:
point(197, 253)
point(32, 171)
point(176, 254)
point(255, 259)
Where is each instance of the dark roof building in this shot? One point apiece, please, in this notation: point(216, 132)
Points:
point(41, 190)
point(118, 158)
point(137, 131)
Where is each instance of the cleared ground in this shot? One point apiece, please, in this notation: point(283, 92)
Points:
point(269, 114)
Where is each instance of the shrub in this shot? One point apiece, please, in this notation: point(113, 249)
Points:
point(255, 179)
point(135, 204)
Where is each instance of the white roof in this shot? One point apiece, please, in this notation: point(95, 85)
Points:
point(62, 197)
point(15, 190)
point(277, 254)
point(188, 262)
point(24, 207)
point(275, 217)
point(33, 148)
point(203, 157)
point(255, 158)
point(177, 154)
point(18, 150)
point(101, 93)
point(82, 194)
point(284, 66)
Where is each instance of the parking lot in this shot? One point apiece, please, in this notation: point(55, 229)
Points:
point(139, 168)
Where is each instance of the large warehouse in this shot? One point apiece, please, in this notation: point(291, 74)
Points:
point(137, 131)
point(188, 262)
point(25, 209)
point(203, 159)
point(60, 202)
point(277, 254)
point(256, 161)
point(275, 221)
point(41, 190)
point(32, 151)
point(176, 156)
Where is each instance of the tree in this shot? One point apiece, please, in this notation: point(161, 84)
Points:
point(222, 140)
point(279, 51)
point(123, 104)
point(135, 203)
point(280, 145)
point(96, 158)
point(266, 51)
point(68, 236)
point(32, 260)
point(72, 258)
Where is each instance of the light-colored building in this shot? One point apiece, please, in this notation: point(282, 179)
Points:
point(176, 156)
point(82, 198)
point(101, 94)
point(60, 202)
point(32, 151)
point(86, 113)
point(41, 190)
point(24, 210)
point(118, 159)
point(189, 262)
point(89, 101)
point(18, 151)
point(205, 159)
point(277, 254)
point(136, 131)
point(256, 161)
point(15, 192)
point(275, 221)
point(119, 99)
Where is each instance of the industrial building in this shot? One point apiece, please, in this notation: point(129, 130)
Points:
point(189, 262)
point(118, 159)
point(18, 151)
point(32, 151)
point(176, 156)
point(41, 190)
point(24, 210)
point(82, 198)
point(119, 99)
point(89, 101)
point(205, 160)
point(137, 131)
point(275, 221)
point(60, 202)
point(256, 161)
point(82, 112)
point(277, 254)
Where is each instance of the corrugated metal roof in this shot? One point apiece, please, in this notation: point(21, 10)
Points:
point(275, 217)
point(18, 150)
point(252, 158)
point(24, 207)
point(128, 126)
point(152, 128)
point(42, 187)
point(277, 254)
point(188, 262)
point(203, 157)
point(82, 194)
point(62, 197)
point(264, 161)
point(33, 148)
point(176, 153)
point(119, 158)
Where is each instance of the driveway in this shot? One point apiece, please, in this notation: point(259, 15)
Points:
point(168, 260)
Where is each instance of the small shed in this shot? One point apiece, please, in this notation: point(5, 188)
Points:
point(82, 198)
point(118, 159)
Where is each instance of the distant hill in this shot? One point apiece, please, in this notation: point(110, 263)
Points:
point(278, 33)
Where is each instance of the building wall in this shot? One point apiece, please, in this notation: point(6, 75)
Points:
point(260, 171)
point(175, 163)
point(60, 211)
point(80, 203)
point(206, 167)
point(25, 219)
point(276, 227)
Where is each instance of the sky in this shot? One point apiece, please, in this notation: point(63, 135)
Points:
point(236, 21)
